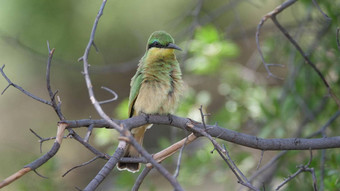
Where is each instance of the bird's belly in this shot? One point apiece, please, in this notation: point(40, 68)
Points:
point(155, 97)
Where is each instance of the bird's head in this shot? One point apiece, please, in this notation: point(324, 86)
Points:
point(161, 43)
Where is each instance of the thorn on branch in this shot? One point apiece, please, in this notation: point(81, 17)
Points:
point(35, 171)
point(6, 88)
point(95, 46)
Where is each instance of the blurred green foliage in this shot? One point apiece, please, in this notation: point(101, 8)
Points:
point(207, 49)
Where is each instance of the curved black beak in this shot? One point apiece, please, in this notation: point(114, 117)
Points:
point(173, 46)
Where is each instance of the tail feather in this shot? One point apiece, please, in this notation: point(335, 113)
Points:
point(130, 151)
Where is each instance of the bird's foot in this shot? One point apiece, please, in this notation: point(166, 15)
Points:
point(193, 121)
point(170, 118)
point(146, 116)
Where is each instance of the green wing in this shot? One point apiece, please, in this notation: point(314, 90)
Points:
point(136, 82)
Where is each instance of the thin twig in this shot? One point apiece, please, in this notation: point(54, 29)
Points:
point(10, 83)
point(277, 10)
point(40, 161)
point(54, 104)
point(141, 178)
point(83, 164)
point(267, 165)
point(259, 164)
point(302, 168)
point(242, 179)
point(202, 117)
point(115, 96)
point(178, 166)
point(328, 19)
point(237, 172)
point(41, 140)
point(309, 62)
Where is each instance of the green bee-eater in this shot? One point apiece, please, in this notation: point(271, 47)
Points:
point(155, 88)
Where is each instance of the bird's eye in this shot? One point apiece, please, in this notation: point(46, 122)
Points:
point(156, 44)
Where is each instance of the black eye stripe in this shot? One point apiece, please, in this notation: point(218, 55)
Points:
point(156, 44)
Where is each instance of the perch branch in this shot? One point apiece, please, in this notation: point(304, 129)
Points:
point(219, 132)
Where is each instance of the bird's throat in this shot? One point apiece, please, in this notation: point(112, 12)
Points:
point(160, 54)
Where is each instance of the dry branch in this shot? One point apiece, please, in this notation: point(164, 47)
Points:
point(160, 156)
point(222, 133)
point(40, 161)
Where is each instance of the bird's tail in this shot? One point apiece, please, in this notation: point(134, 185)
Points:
point(130, 151)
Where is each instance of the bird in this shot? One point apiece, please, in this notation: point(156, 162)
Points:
point(156, 88)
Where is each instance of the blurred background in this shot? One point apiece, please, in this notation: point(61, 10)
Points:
point(222, 70)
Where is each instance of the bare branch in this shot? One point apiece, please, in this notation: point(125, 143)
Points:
point(272, 15)
point(107, 168)
point(328, 19)
point(52, 95)
point(260, 161)
point(302, 168)
point(14, 177)
point(41, 140)
point(165, 153)
point(219, 132)
point(259, 26)
point(10, 83)
point(178, 166)
point(322, 170)
point(154, 163)
point(223, 152)
point(40, 161)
